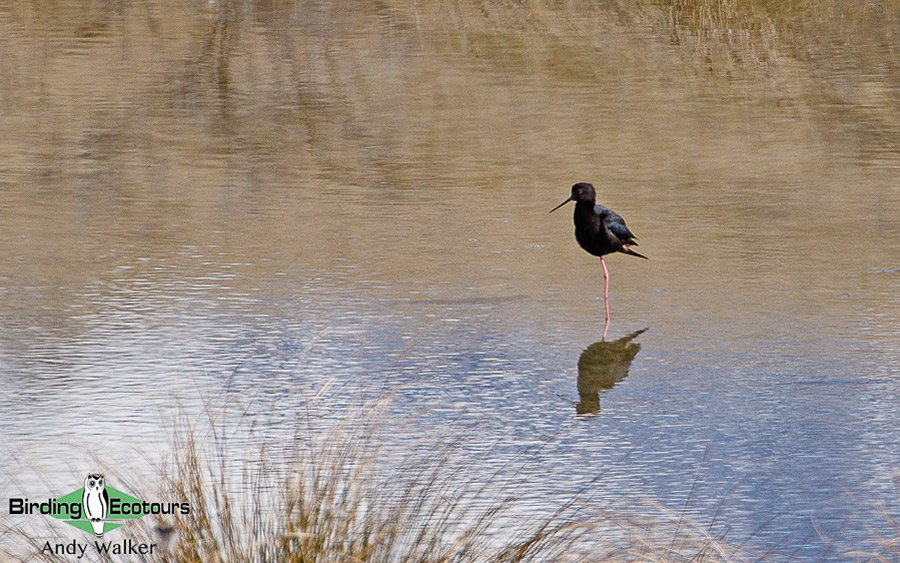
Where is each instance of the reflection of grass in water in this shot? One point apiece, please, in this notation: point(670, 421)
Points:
point(723, 35)
point(726, 34)
point(333, 498)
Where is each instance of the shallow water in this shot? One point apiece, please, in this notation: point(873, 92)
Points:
point(285, 201)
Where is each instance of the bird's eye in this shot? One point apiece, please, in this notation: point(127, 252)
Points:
point(92, 484)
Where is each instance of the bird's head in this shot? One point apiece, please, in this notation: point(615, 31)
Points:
point(581, 192)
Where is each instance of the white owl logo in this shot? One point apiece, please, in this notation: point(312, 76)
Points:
point(95, 501)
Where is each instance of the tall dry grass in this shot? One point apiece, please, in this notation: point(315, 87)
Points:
point(337, 495)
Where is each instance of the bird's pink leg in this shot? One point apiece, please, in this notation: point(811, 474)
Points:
point(605, 295)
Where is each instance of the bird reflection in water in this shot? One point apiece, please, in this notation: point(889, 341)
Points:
point(602, 365)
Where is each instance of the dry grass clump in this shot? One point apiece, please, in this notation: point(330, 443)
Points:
point(337, 495)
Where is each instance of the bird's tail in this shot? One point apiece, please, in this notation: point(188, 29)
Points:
point(627, 250)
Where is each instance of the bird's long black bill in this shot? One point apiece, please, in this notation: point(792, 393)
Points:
point(561, 204)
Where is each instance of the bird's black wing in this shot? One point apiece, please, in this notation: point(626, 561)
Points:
point(616, 224)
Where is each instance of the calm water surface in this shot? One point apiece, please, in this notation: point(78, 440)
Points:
point(350, 200)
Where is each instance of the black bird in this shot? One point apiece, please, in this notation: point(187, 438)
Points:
point(599, 231)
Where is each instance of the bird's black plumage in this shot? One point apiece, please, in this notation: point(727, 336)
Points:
point(599, 230)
